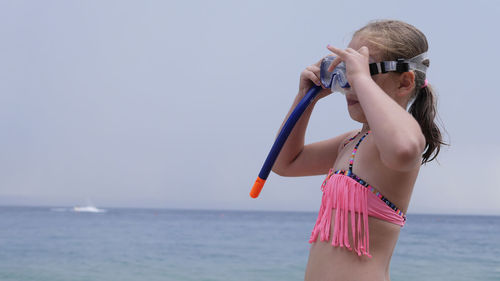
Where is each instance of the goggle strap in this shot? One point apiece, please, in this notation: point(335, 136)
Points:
point(399, 66)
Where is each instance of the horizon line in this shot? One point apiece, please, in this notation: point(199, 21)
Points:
point(226, 210)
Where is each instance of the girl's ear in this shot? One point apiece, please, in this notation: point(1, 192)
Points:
point(406, 83)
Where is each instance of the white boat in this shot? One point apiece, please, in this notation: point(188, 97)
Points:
point(88, 209)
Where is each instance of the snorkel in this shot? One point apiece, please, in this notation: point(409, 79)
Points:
point(280, 140)
point(335, 80)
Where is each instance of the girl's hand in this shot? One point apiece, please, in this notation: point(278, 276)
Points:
point(356, 62)
point(310, 77)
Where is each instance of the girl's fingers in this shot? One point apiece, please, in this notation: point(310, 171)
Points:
point(314, 68)
point(339, 52)
point(334, 64)
point(340, 56)
point(309, 74)
point(316, 71)
point(350, 51)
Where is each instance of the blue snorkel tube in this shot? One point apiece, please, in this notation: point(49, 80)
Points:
point(281, 139)
point(335, 80)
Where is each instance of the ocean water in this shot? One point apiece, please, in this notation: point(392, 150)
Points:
point(137, 244)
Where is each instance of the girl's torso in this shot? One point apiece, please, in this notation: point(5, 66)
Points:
point(327, 262)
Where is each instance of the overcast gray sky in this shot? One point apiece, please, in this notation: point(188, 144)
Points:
point(175, 104)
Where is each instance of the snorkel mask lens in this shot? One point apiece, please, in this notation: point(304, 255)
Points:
point(335, 80)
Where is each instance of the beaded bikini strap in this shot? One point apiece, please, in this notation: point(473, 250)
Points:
point(349, 140)
point(351, 160)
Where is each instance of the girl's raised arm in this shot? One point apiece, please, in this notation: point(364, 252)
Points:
point(397, 134)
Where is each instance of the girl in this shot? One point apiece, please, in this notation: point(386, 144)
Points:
point(370, 171)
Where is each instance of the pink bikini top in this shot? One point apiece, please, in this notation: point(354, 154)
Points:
point(352, 197)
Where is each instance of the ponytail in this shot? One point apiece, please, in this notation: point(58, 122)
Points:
point(423, 109)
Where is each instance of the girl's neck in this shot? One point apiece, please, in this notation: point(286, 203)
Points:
point(365, 128)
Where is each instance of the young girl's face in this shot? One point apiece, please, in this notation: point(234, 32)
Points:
point(388, 82)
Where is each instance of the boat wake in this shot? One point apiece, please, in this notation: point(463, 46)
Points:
point(88, 209)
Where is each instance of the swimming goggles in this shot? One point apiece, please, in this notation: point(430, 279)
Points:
point(336, 80)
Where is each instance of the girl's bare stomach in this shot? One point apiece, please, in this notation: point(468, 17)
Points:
point(329, 263)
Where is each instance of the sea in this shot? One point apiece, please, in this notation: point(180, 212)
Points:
point(52, 244)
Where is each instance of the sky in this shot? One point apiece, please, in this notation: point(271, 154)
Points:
point(175, 104)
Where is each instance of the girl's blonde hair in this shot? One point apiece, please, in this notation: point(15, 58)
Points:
point(395, 40)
